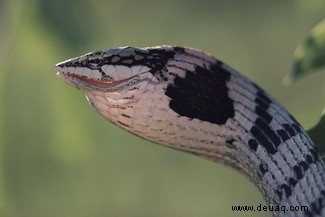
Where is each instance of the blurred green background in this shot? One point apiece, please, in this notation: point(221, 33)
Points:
point(59, 158)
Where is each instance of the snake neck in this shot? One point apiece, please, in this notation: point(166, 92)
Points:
point(260, 140)
point(197, 104)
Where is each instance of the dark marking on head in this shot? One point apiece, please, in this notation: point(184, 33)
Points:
point(202, 94)
point(154, 58)
point(106, 77)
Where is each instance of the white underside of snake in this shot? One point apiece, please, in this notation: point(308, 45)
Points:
point(186, 99)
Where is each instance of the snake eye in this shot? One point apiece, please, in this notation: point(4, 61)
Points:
point(94, 62)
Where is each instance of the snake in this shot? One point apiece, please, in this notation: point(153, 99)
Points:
point(188, 100)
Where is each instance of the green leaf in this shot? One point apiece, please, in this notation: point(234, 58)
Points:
point(309, 56)
point(317, 134)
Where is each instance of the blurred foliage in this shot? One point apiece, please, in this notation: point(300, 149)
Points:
point(59, 158)
point(309, 55)
point(66, 19)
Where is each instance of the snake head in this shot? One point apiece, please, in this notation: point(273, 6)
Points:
point(113, 69)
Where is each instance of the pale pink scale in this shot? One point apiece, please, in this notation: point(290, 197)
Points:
point(123, 72)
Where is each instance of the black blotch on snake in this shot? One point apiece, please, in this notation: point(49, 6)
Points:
point(202, 94)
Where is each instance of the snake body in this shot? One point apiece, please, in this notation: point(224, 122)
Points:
point(186, 99)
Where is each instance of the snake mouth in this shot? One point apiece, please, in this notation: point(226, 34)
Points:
point(90, 84)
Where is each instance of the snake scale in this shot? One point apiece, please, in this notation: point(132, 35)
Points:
point(186, 99)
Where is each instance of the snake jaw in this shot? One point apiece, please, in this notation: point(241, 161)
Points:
point(66, 80)
point(92, 84)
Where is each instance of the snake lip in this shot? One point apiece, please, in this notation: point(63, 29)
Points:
point(90, 84)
